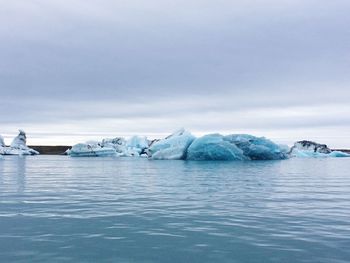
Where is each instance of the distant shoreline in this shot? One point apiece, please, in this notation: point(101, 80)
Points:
point(61, 149)
point(50, 150)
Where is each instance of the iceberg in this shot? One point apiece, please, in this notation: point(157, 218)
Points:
point(214, 147)
point(117, 143)
point(258, 148)
point(173, 147)
point(118, 146)
point(90, 149)
point(18, 146)
point(309, 149)
point(310, 146)
point(20, 140)
point(235, 147)
point(135, 146)
point(183, 145)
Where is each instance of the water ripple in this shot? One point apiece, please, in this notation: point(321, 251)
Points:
point(56, 208)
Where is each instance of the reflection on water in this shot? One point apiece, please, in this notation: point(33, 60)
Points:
point(56, 208)
point(21, 174)
point(13, 175)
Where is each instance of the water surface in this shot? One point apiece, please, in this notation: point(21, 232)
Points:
point(57, 209)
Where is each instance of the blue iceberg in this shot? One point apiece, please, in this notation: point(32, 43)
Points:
point(235, 147)
point(258, 148)
point(173, 147)
point(214, 147)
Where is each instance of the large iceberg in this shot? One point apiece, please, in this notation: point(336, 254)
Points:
point(235, 147)
point(309, 149)
point(183, 145)
point(18, 146)
point(214, 147)
point(173, 147)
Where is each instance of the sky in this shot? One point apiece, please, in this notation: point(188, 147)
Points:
point(79, 70)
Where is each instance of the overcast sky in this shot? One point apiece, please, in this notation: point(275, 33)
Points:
point(75, 70)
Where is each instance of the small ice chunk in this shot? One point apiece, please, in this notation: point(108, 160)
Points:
point(311, 146)
point(309, 149)
point(90, 150)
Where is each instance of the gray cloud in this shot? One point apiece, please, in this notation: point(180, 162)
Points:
point(154, 65)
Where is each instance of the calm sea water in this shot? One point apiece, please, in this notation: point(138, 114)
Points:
point(57, 209)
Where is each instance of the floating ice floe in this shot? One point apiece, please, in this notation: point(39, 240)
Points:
point(90, 149)
point(135, 146)
point(18, 146)
point(309, 149)
point(173, 147)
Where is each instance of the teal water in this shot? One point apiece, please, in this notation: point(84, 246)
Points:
point(57, 209)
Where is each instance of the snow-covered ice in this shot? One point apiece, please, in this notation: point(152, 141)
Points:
point(90, 149)
point(310, 146)
point(173, 147)
point(18, 146)
point(309, 149)
point(118, 146)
